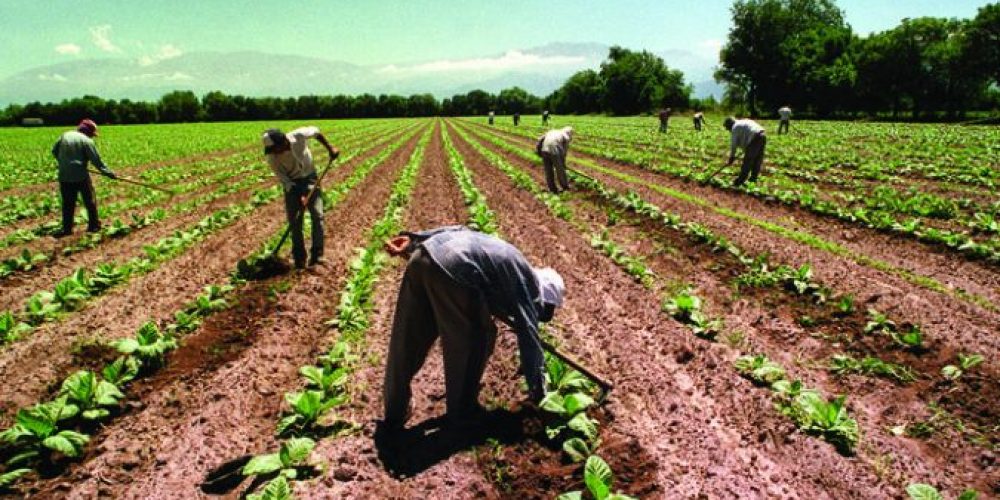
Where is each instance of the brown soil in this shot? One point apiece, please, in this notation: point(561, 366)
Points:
point(768, 322)
point(205, 411)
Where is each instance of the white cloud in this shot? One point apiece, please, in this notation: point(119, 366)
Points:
point(513, 59)
point(101, 36)
point(54, 77)
point(168, 51)
point(68, 49)
point(179, 76)
point(170, 77)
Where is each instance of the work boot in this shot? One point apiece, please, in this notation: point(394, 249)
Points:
point(94, 229)
point(317, 260)
point(61, 234)
point(300, 264)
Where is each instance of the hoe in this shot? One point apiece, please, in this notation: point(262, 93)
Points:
point(271, 264)
point(137, 183)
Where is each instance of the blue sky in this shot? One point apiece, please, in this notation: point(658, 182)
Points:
point(382, 32)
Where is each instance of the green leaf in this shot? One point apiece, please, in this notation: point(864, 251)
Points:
point(296, 451)
point(262, 464)
point(96, 414)
point(598, 477)
point(577, 402)
point(969, 494)
point(107, 394)
point(576, 449)
point(126, 346)
point(69, 443)
point(951, 372)
point(920, 491)
point(572, 495)
point(8, 479)
point(277, 489)
point(584, 425)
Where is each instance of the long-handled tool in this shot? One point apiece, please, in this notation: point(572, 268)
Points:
point(712, 176)
point(605, 385)
point(138, 183)
point(270, 265)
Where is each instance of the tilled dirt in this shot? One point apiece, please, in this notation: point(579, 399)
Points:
point(767, 323)
point(961, 325)
point(49, 350)
point(196, 421)
point(710, 431)
point(357, 467)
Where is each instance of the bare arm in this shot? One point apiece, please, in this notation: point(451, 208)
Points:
point(334, 152)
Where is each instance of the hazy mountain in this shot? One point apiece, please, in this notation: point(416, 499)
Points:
point(539, 70)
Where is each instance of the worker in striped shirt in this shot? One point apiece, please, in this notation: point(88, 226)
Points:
point(749, 136)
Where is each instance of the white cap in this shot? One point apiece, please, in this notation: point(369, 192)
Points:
point(550, 285)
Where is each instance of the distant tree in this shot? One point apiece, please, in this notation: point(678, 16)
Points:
point(479, 102)
point(786, 52)
point(422, 105)
point(221, 107)
point(581, 94)
point(179, 106)
point(517, 100)
point(981, 45)
point(640, 81)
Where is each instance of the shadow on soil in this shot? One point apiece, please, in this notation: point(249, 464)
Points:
point(411, 451)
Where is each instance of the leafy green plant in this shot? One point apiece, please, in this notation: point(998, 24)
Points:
point(70, 293)
point(759, 369)
point(277, 489)
point(8, 479)
point(184, 322)
point(965, 363)
point(686, 308)
point(11, 329)
point(306, 408)
point(842, 364)
point(844, 305)
point(36, 434)
point(149, 345)
point(290, 461)
point(599, 479)
point(879, 323)
point(41, 308)
point(921, 491)
point(90, 394)
point(121, 371)
point(328, 380)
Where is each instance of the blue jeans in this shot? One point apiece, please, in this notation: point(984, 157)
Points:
point(296, 216)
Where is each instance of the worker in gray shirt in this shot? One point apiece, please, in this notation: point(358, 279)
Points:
point(457, 280)
point(292, 164)
point(552, 147)
point(749, 136)
point(75, 149)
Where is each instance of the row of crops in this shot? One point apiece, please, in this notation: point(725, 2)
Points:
point(851, 358)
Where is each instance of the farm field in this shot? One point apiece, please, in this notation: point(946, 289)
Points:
point(829, 332)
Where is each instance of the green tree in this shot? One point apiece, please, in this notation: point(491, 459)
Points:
point(581, 94)
point(786, 52)
point(179, 106)
point(640, 81)
point(516, 100)
point(982, 42)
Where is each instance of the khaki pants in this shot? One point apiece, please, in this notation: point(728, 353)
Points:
point(555, 167)
point(430, 305)
point(753, 159)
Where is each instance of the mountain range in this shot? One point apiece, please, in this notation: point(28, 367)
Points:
point(539, 70)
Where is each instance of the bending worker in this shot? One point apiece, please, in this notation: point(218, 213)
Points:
point(785, 115)
point(74, 150)
point(749, 136)
point(552, 147)
point(698, 119)
point(456, 281)
point(292, 164)
point(665, 119)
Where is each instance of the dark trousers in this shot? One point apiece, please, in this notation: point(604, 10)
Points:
point(783, 126)
point(697, 124)
point(430, 305)
point(555, 167)
point(663, 125)
point(69, 192)
point(294, 212)
point(753, 159)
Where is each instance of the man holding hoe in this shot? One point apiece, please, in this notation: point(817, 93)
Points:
point(74, 150)
point(457, 280)
point(292, 164)
point(749, 136)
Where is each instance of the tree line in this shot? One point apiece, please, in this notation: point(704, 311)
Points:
point(629, 82)
point(802, 53)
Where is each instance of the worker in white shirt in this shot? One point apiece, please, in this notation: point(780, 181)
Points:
point(552, 147)
point(292, 164)
point(785, 114)
point(749, 136)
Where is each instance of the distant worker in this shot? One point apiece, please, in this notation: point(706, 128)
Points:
point(491, 115)
point(517, 119)
point(545, 117)
point(699, 120)
point(749, 136)
point(456, 281)
point(74, 150)
point(552, 147)
point(785, 115)
point(665, 119)
point(292, 164)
